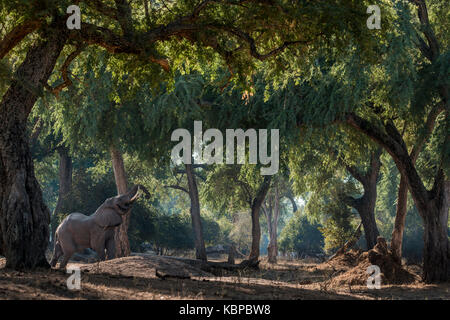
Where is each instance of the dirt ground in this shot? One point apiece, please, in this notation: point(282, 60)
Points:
point(135, 278)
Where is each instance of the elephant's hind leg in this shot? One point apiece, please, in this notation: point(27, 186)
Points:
point(57, 253)
point(64, 261)
point(68, 252)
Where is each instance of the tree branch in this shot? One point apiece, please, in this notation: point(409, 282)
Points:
point(396, 148)
point(433, 45)
point(355, 173)
point(180, 171)
point(245, 187)
point(294, 205)
point(262, 191)
point(124, 17)
point(100, 7)
point(252, 46)
point(16, 35)
point(65, 69)
point(429, 126)
point(177, 187)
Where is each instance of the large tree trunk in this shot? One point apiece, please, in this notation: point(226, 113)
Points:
point(402, 195)
point(432, 205)
point(365, 205)
point(436, 253)
point(121, 234)
point(366, 210)
point(200, 251)
point(256, 234)
point(24, 218)
point(65, 182)
point(256, 227)
point(400, 219)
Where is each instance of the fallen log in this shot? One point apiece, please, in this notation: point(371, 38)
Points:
point(165, 276)
point(218, 268)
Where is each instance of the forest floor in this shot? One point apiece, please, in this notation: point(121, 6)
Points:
point(135, 277)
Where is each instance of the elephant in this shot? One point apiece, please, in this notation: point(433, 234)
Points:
point(78, 231)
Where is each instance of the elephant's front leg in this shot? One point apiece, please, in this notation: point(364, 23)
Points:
point(100, 249)
point(110, 248)
point(98, 245)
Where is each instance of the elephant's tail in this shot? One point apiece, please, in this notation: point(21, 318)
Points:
point(55, 241)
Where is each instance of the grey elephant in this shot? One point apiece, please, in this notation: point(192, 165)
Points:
point(78, 231)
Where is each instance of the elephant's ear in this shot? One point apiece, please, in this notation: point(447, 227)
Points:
point(107, 217)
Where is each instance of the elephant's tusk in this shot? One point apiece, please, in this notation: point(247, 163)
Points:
point(136, 196)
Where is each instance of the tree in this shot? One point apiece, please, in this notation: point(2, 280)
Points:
point(249, 192)
point(365, 205)
point(415, 71)
point(272, 208)
point(271, 211)
point(20, 195)
point(328, 206)
point(126, 29)
point(121, 234)
point(65, 179)
point(192, 191)
point(432, 204)
point(321, 158)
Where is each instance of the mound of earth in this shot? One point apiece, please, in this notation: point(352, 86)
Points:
point(145, 266)
point(391, 272)
point(342, 262)
point(346, 260)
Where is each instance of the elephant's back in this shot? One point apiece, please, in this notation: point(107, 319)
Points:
point(72, 219)
point(77, 216)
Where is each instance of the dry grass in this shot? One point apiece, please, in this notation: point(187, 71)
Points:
point(134, 278)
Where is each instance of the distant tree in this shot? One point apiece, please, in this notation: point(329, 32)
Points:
point(273, 207)
point(301, 236)
point(237, 187)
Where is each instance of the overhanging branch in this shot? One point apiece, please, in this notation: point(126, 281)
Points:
point(65, 69)
point(177, 188)
point(13, 38)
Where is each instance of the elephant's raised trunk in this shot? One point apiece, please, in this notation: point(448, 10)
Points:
point(133, 194)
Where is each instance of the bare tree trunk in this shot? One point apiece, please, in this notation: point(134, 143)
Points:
point(256, 227)
point(365, 205)
point(366, 210)
point(272, 222)
point(200, 251)
point(24, 217)
point(400, 219)
point(402, 196)
point(121, 234)
point(65, 182)
point(436, 253)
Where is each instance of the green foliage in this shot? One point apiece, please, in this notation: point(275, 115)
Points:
point(301, 236)
point(123, 100)
point(240, 233)
point(329, 207)
point(337, 229)
point(172, 232)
